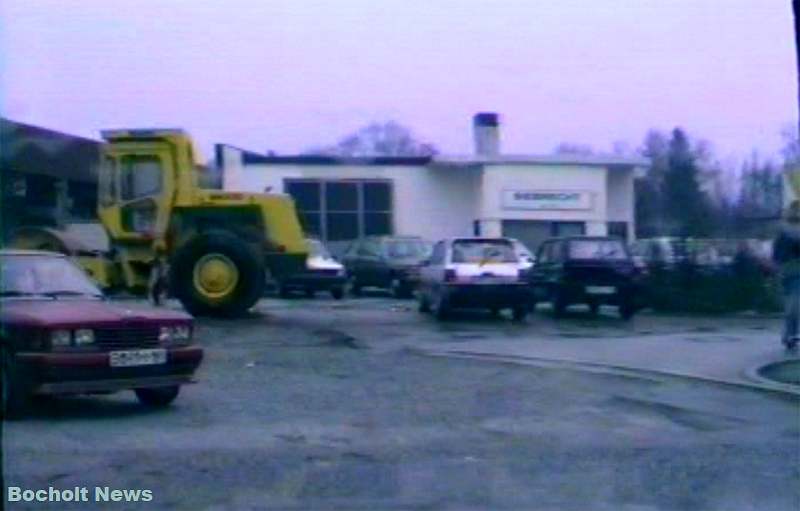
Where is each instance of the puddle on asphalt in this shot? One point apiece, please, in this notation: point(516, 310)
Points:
point(787, 371)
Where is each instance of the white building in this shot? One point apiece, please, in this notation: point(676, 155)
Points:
point(491, 194)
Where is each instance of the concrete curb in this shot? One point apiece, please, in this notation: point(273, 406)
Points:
point(758, 383)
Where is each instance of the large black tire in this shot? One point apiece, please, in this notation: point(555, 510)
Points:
point(594, 308)
point(337, 293)
point(14, 399)
point(157, 397)
point(249, 264)
point(519, 313)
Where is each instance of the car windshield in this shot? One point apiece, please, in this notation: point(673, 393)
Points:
point(407, 249)
point(483, 251)
point(522, 250)
point(317, 249)
point(23, 275)
point(597, 249)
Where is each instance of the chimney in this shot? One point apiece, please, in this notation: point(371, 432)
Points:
point(486, 131)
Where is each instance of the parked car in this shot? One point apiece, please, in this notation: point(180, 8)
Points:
point(473, 273)
point(323, 273)
point(524, 256)
point(60, 335)
point(586, 270)
point(387, 262)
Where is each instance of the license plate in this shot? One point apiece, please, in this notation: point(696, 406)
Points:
point(600, 290)
point(137, 358)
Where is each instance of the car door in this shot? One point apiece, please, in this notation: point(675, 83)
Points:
point(368, 263)
point(350, 258)
point(541, 275)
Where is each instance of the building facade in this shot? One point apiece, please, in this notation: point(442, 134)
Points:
point(46, 177)
point(530, 198)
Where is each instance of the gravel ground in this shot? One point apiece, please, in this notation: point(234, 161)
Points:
point(325, 405)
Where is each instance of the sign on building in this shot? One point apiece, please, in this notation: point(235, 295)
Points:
point(547, 199)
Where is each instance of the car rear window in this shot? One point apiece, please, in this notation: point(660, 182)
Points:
point(597, 249)
point(407, 249)
point(483, 251)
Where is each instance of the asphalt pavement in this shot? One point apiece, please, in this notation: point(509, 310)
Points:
point(366, 404)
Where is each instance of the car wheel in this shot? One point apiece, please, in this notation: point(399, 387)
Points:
point(519, 313)
point(626, 311)
point(441, 310)
point(400, 289)
point(559, 303)
point(355, 287)
point(337, 293)
point(495, 312)
point(423, 305)
point(14, 399)
point(157, 397)
point(284, 291)
point(310, 293)
point(594, 308)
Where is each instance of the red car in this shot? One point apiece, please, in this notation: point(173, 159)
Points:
point(59, 335)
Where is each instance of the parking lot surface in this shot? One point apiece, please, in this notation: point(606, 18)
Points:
point(357, 404)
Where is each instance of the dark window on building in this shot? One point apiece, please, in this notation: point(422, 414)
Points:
point(84, 200)
point(306, 194)
point(618, 229)
point(377, 197)
point(341, 226)
point(341, 196)
point(344, 209)
point(569, 228)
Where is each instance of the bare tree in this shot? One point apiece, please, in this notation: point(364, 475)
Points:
point(379, 139)
point(575, 149)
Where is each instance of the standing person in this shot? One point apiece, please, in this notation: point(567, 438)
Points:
point(157, 285)
point(786, 252)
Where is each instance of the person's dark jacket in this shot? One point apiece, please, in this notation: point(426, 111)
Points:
point(786, 251)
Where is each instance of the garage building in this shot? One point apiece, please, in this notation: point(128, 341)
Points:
point(489, 193)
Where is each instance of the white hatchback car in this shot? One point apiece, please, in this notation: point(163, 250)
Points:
point(473, 273)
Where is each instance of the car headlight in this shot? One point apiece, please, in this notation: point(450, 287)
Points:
point(179, 334)
point(60, 338)
point(182, 333)
point(84, 336)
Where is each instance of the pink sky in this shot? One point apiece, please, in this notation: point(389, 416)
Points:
point(288, 75)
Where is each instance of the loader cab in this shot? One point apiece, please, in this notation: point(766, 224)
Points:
point(140, 181)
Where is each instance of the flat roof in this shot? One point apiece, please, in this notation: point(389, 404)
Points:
point(253, 158)
point(545, 159)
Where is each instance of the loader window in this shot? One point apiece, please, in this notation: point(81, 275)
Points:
point(140, 177)
point(108, 181)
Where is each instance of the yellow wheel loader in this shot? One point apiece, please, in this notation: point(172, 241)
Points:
point(216, 246)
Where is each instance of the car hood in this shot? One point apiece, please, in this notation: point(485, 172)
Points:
point(322, 263)
point(79, 312)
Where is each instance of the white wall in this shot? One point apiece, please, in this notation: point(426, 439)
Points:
point(438, 201)
point(432, 203)
point(621, 200)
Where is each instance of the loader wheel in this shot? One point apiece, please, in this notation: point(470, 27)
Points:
point(217, 274)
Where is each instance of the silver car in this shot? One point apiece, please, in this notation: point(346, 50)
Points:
point(473, 273)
